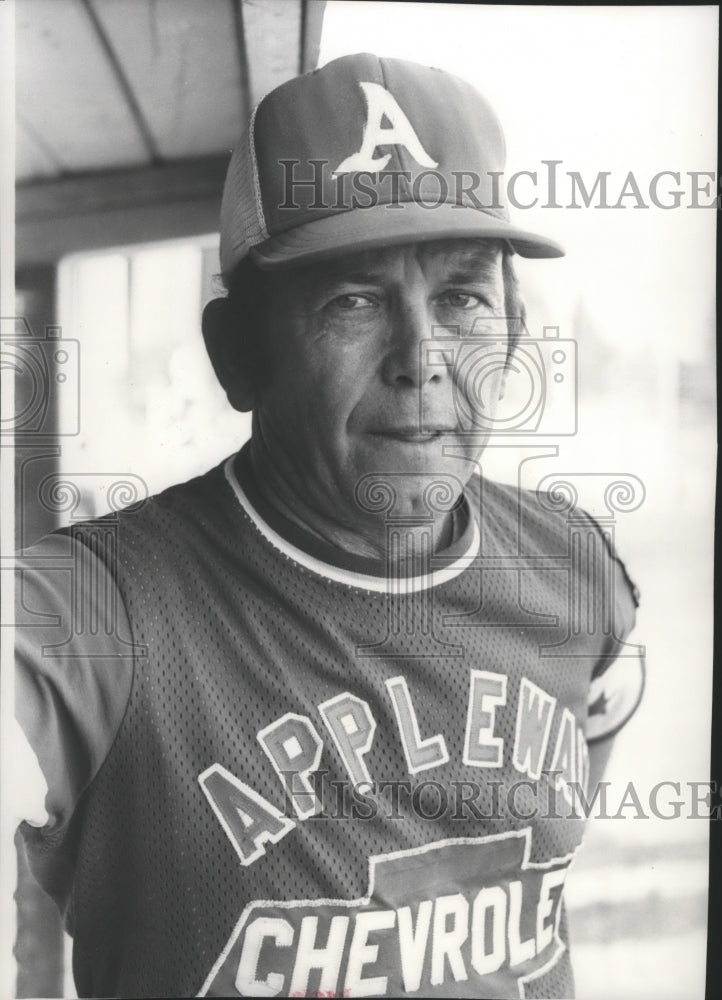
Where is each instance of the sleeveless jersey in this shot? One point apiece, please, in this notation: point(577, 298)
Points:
point(329, 783)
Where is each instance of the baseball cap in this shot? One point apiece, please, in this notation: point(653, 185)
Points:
point(367, 152)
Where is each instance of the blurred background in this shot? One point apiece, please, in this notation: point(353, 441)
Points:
point(126, 114)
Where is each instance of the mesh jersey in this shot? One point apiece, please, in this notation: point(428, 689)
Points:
point(323, 784)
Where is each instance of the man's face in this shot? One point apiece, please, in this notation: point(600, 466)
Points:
point(356, 386)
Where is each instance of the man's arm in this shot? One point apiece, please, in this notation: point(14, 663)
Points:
point(599, 753)
point(618, 680)
point(29, 784)
point(73, 678)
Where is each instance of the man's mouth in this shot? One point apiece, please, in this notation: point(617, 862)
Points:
point(412, 435)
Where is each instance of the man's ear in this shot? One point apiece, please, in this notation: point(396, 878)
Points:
point(221, 342)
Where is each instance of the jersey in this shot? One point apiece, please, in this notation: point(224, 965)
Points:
point(312, 778)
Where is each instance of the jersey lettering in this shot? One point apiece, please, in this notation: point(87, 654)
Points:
point(481, 748)
point(281, 933)
point(519, 951)
point(362, 953)
point(489, 909)
point(325, 958)
point(352, 728)
point(451, 929)
point(294, 748)
point(413, 941)
point(249, 821)
point(495, 927)
point(533, 724)
point(420, 754)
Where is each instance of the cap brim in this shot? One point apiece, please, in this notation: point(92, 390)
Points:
point(387, 225)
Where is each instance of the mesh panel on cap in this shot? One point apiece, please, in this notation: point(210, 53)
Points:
point(242, 221)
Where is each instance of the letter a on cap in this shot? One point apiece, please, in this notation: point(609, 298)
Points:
point(379, 104)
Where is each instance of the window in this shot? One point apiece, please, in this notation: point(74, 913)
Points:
point(151, 410)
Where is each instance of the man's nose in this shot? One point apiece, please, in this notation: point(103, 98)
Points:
point(405, 362)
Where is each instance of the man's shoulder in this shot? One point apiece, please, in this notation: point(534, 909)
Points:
point(207, 490)
point(541, 523)
point(191, 517)
point(193, 501)
point(536, 512)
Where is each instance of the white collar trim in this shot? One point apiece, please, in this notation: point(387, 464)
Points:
point(363, 581)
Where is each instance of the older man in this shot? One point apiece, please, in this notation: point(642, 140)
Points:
point(333, 743)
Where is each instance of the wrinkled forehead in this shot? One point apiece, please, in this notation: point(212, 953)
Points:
point(475, 258)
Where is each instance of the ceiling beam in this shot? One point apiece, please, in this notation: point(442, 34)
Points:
point(165, 200)
point(311, 24)
point(102, 210)
point(123, 82)
point(237, 9)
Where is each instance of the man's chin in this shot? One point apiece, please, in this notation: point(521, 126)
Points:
point(425, 457)
point(421, 495)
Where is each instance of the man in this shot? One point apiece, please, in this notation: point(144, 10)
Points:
point(330, 745)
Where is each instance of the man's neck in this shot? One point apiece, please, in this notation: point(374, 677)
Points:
point(367, 537)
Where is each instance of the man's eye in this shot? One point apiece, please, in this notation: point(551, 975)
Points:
point(461, 300)
point(350, 301)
